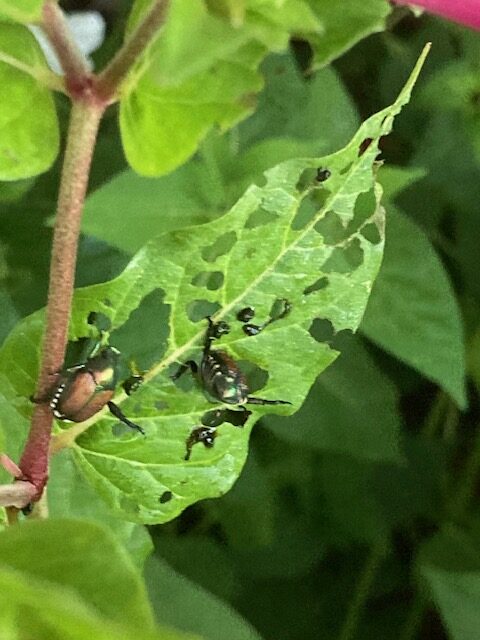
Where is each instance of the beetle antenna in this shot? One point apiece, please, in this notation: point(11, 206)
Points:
point(253, 400)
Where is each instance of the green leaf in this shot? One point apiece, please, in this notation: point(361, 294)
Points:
point(8, 315)
point(317, 109)
point(413, 313)
point(450, 565)
point(351, 408)
point(22, 10)
point(278, 241)
point(345, 23)
point(37, 609)
point(365, 501)
point(395, 179)
point(201, 560)
point(69, 493)
point(316, 115)
point(171, 202)
point(201, 71)
point(80, 556)
point(187, 606)
point(29, 137)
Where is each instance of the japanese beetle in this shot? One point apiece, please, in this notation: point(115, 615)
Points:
point(220, 376)
point(84, 389)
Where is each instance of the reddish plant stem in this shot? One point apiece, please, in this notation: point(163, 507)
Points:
point(73, 62)
point(84, 121)
point(111, 77)
point(90, 96)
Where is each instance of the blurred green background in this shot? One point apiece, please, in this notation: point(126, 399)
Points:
point(318, 527)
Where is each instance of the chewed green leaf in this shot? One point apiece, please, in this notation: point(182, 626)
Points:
point(317, 244)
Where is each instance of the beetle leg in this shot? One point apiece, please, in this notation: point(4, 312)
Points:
point(118, 414)
point(206, 435)
point(252, 400)
point(190, 364)
point(255, 329)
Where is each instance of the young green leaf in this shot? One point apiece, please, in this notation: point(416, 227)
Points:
point(345, 23)
point(89, 561)
point(29, 137)
point(317, 244)
point(201, 71)
point(35, 608)
point(22, 10)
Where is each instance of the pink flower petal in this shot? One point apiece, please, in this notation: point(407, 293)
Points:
point(464, 11)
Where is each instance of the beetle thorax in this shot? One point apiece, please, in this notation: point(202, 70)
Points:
point(222, 378)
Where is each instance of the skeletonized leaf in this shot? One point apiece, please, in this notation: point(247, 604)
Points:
point(317, 245)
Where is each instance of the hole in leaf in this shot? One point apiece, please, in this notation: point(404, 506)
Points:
point(220, 247)
point(345, 259)
point(364, 146)
point(212, 280)
point(346, 169)
point(321, 283)
point(365, 206)
point(165, 497)
point(143, 337)
point(186, 382)
point(259, 218)
point(331, 228)
point(99, 320)
point(307, 179)
point(309, 206)
point(371, 233)
point(199, 309)
point(218, 416)
point(322, 330)
point(257, 378)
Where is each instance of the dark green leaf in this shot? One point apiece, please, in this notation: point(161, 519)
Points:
point(450, 564)
point(352, 408)
point(187, 606)
point(413, 313)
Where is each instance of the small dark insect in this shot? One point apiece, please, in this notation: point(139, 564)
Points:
point(322, 174)
point(165, 497)
point(84, 389)
point(245, 315)
point(220, 376)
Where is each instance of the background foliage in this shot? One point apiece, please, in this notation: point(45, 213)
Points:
point(364, 499)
